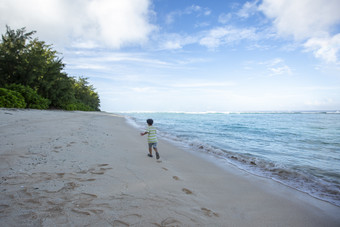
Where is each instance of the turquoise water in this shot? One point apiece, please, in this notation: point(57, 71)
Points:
point(301, 150)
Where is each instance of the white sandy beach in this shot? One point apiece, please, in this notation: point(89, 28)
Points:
point(91, 169)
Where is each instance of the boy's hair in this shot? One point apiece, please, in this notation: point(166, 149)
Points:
point(149, 121)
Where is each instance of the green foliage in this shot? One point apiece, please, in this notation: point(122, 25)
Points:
point(85, 94)
point(59, 91)
point(13, 53)
point(11, 99)
point(78, 106)
point(34, 64)
point(32, 99)
point(26, 61)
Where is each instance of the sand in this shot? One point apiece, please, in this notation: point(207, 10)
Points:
point(91, 169)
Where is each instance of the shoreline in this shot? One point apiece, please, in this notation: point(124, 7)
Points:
point(91, 168)
point(255, 164)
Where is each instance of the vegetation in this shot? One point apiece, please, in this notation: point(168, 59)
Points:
point(32, 72)
point(31, 97)
point(11, 99)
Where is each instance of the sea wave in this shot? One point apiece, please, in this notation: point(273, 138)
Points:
point(301, 181)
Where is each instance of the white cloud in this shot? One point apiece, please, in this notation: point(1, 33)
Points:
point(272, 67)
point(89, 44)
point(95, 22)
point(172, 44)
point(309, 21)
point(280, 70)
point(197, 9)
point(173, 41)
point(224, 18)
point(277, 66)
point(143, 89)
point(326, 48)
point(248, 9)
point(204, 84)
point(303, 18)
point(212, 39)
point(170, 18)
point(226, 35)
point(108, 61)
point(87, 66)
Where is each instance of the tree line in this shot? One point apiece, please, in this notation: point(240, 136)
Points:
point(32, 76)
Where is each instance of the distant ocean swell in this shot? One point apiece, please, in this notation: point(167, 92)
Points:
point(299, 149)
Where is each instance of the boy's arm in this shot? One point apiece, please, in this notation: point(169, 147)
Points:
point(143, 133)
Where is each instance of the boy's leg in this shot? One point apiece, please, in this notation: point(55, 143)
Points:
point(157, 154)
point(150, 151)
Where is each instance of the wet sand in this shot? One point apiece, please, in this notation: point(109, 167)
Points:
point(90, 169)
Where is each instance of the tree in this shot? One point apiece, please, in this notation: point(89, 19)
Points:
point(32, 63)
point(86, 94)
point(12, 55)
point(60, 91)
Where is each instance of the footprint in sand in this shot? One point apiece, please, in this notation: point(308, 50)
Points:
point(80, 212)
point(131, 219)
point(24, 156)
point(101, 165)
point(82, 172)
point(105, 168)
point(97, 172)
point(89, 195)
point(175, 177)
point(83, 180)
point(209, 213)
point(60, 174)
point(97, 211)
point(120, 223)
point(70, 144)
point(68, 186)
point(186, 191)
point(170, 222)
point(56, 149)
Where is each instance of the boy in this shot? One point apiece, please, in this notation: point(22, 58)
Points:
point(152, 138)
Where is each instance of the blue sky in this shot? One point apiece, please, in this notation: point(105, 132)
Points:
point(195, 56)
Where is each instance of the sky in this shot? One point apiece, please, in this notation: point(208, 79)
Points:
point(193, 55)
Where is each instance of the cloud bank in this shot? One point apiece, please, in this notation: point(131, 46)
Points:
point(310, 21)
point(82, 23)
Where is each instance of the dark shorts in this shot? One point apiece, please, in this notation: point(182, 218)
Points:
point(154, 145)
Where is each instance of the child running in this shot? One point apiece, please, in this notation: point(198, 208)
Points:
point(152, 138)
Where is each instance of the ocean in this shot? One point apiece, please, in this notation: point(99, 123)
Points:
point(298, 149)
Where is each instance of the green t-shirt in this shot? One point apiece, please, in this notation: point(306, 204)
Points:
point(152, 138)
